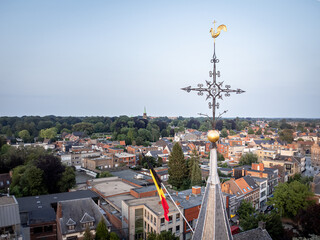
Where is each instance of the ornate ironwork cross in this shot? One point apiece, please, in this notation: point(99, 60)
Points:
point(214, 90)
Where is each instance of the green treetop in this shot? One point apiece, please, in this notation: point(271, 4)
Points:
point(177, 167)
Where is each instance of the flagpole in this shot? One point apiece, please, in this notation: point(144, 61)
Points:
point(177, 207)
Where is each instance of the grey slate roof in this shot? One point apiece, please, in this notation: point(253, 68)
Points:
point(79, 211)
point(253, 234)
point(194, 200)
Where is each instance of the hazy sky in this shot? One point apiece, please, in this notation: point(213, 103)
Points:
point(110, 58)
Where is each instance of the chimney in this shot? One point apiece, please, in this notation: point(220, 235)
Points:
point(262, 225)
point(178, 203)
point(196, 190)
point(243, 172)
point(187, 197)
point(59, 210)
point(177, 194)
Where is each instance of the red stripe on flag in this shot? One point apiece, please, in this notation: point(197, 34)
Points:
point(165, 208)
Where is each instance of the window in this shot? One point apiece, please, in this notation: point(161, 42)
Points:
point(1, 184)
point(170, 229)
point(178, 217)
point(71, 227)
point(244, 190)
point(190, 223)
point(248, 188)
point(37, 230)
point(48, 228)
point(162, 222)
point(154, 221)
point(170, 219)
point(177, 229)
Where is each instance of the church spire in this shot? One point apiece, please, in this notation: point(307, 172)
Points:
point(213, 220)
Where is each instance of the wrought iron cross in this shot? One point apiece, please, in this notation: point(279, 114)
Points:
point(214, 90)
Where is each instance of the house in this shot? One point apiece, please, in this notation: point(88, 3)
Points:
point(9, 218)
point(5, 181)
point(291, 165)
point(103, 162)
point(124, 158)
point(244, 188)
point(38, 213)
point(258, 170)
point(143, 215)
point(74, 216)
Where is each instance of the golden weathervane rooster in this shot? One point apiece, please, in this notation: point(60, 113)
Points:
point(215, 34)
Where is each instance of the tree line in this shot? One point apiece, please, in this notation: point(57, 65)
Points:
point(134, 130)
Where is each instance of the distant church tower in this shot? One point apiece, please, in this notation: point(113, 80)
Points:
point(145, 114)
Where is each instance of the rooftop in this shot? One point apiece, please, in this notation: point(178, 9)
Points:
point(153, 203)
point(6, 200)
point(129, 175)
point(110, 186)
point(253, 234)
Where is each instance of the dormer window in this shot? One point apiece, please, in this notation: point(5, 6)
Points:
point(87, 221)
point(71, 224)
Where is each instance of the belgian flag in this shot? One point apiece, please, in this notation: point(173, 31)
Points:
point(163, 199)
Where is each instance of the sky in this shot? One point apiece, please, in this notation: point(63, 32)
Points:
point(111, 58)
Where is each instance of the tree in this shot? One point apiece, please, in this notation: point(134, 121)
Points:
point(286, 135)
point(309, 220)
point(290, 198)
point(259, 131)
point(177, 167)
point(49, 133)
point(87, 234)
point(248, 159)
point(27, 181)
point(232, 133)
point(224, 133)
point(25, 135)
point(220, 157)
point(83, 127)
point(245, 209)
point(273, 223)
point(250, 131)
point(53, 170)
point(302, 179)
point(114, 236)
point(68, 179)
point(196, 176)
point(102, 232)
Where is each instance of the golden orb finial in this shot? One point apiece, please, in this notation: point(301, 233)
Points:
point(213, 136)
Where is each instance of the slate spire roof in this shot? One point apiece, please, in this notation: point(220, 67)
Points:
point(212, 220)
